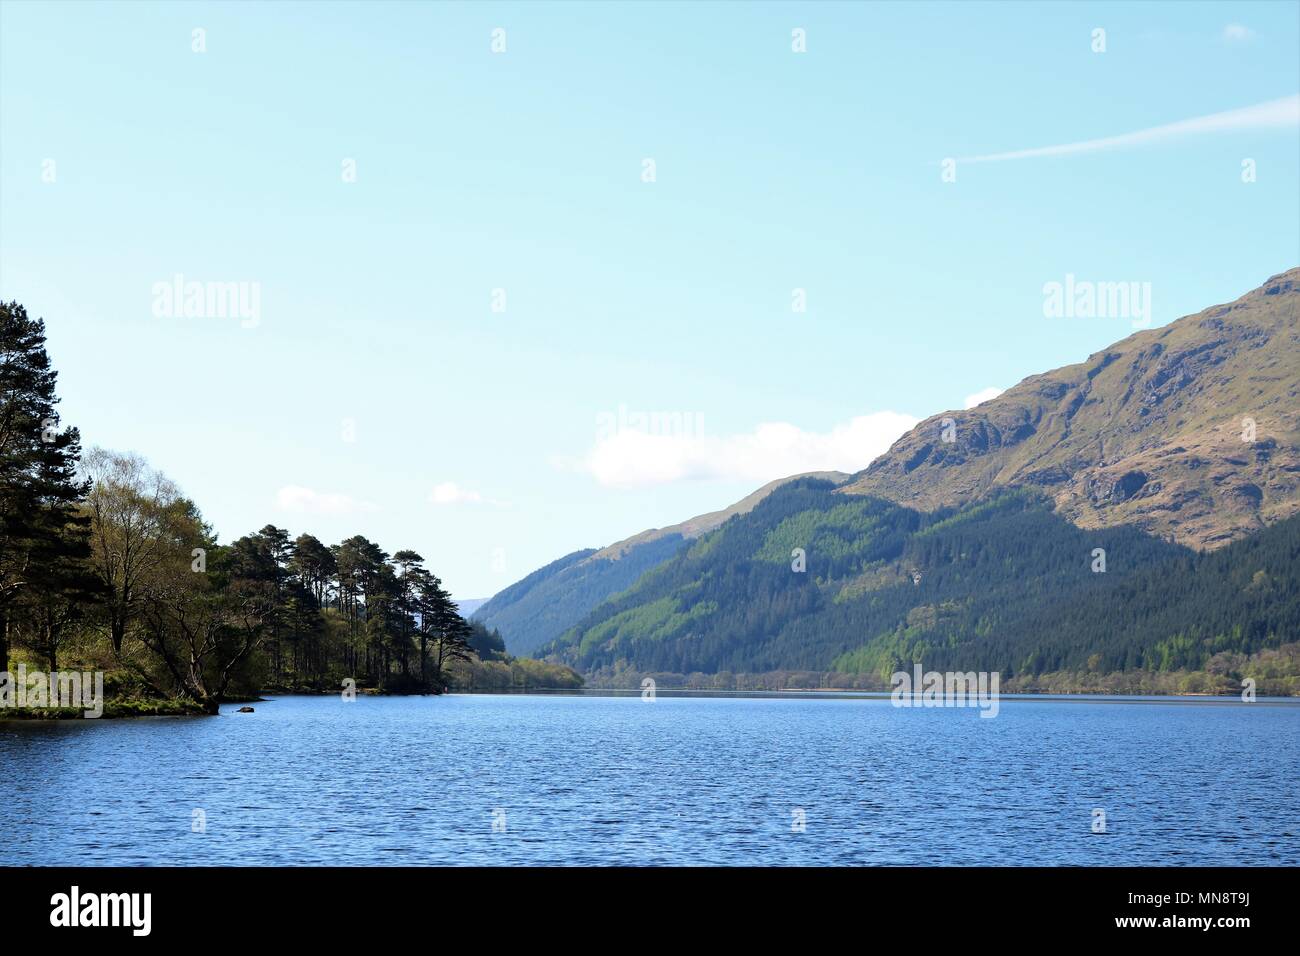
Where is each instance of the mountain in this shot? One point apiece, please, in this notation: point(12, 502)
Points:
point(1153, 432)
point(541, 606)
point(1103, 517)
point(1007, 584)
point(467, 606)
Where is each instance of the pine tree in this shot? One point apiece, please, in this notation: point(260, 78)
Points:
point(41, 532)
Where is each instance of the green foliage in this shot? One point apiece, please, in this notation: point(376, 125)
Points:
point(515, 673)
point(487, 644)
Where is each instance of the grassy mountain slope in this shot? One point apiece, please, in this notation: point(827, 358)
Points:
point(558, 596)
point(537, 609)
point(701, 524)
point(1147, 433)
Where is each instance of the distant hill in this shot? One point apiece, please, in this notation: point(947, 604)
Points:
point(1147, 433)
point(550, 600)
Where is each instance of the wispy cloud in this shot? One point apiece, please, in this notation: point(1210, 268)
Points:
point(450, 493)
point(982, 396)
point(303, 500)
point(632, 458)
point(1275, 114)
point(1237, 33)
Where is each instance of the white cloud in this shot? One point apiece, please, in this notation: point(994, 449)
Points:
point(632, 458)
point(1237, 33)
point(450, 493)
point(1275, 114)
point(300, 499)
point(982, 396)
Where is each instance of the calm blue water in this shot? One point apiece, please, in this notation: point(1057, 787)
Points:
point(594, 780)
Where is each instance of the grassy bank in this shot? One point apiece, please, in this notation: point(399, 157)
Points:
point(113, 709)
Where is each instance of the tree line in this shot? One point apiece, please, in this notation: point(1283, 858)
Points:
point(102, 557)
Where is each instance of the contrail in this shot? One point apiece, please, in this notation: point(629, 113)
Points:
point(1275, 114)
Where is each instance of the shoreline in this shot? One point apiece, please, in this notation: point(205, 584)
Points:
point(113, 710)
point(120, 710)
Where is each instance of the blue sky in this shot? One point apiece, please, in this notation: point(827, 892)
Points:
point(477, 434)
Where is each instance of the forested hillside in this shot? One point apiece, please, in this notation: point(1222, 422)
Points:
point(1004, 585)
point(538, 609)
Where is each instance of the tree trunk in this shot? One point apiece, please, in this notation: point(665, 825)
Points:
point(117, 628)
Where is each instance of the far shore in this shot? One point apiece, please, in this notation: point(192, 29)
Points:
point(835, 694)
